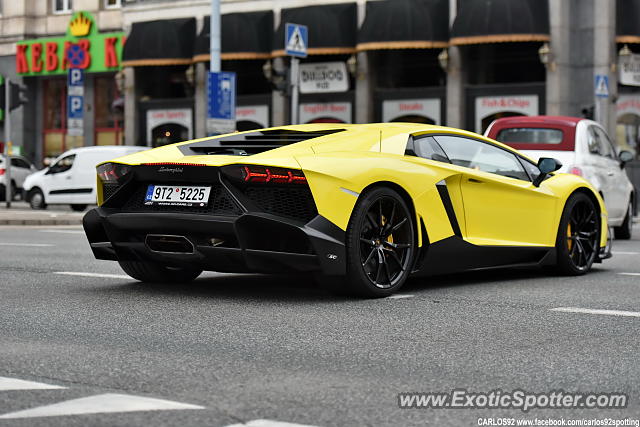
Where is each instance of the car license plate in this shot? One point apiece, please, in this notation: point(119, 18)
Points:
point(174, 195)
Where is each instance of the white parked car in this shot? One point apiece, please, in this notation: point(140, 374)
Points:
point(584, 149)
point(71, 178)
point(20, 169)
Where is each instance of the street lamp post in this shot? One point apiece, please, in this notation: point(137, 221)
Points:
point(214, 37)
point(8, 188)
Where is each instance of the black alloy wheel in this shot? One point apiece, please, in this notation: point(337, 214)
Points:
point(380, 244)
point(578, 240)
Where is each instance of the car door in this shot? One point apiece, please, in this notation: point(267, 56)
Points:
point(20, 168)
point(502, 206)
point(59, 181)
point(616, 197)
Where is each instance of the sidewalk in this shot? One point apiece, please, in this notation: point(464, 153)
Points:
point(21, 214)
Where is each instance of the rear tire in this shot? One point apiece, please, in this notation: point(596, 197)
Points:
point(624, 231)
point(78, 208)
point(578, 240)
point(152, 272)
point(380, 244)
point(36, 199)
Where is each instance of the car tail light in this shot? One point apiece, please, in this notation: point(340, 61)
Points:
point(111, 172)
point(1, 172)
point(265, 174)
point(576, 171)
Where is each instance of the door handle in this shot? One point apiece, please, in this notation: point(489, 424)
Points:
point(610, 174)
point(68, 177)
point(476, 181)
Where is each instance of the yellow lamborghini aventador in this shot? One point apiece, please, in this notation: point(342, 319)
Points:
point(364, 205)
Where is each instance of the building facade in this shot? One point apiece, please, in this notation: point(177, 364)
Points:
point(462, 63)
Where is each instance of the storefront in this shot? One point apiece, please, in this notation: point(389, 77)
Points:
point(499, 43)
point(402, 40)
point(327, 89)
point(43, 64)
point(160, 54)
point(628, 103)
point(245, 47)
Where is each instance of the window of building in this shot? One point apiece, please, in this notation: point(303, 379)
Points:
point(108, 112)
point(56, 140)
point(111, 4)
point(62, 6)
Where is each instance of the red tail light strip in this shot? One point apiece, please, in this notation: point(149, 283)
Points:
point(272, 175)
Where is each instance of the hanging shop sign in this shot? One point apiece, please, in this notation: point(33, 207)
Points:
point(182, 117)
point(322, 77)
point(630, 70)
point(486, 106)
point(404, 109)
point(330, 112)
point(628, 104)
point(258, 114)
point(83, 47)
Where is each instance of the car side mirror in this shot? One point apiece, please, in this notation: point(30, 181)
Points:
point(546, 165)
point(49, 171)
point(625, 157)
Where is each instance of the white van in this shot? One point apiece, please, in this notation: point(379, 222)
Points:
point(71, 178)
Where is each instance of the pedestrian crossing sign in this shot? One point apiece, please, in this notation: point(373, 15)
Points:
point(602, 85)
point(296, 38)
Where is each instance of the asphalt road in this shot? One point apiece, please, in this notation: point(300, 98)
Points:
point(229, 349)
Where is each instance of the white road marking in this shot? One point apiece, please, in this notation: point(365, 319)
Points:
point(63, 231)
point(100, 404)
point(28, 245)
point(624, 253)
point(269, 423)
point(630, 274)
point(597, 311)
point(85, 274)
point(16, 384)
point(400, 296)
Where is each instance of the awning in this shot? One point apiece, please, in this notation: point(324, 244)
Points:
point(495, 21)
point(628, 21)
point(332, 28)
point(164, 42)
point(405, 24)
point(243, 36)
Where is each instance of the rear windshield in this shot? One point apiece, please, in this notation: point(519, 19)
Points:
point(530, 136)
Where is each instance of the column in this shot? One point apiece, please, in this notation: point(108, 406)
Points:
point(604, 55)
point(130, 108)
point(200, 95)
point(558, 85)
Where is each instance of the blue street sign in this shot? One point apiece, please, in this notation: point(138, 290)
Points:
point(75, 77)
point(602, 85)
point(75, 106)
point(221, 90)
point(76, 55)
point(296, 40)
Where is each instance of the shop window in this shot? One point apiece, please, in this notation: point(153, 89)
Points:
point(166, 82)
point(168, 133)
point(109, 112)
point(497, 63)
point(112, 4)
point(407, 68)
point(250, 79)
point(62, 6)
point(55, 137)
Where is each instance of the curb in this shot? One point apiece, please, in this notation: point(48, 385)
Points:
point(48, 221)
